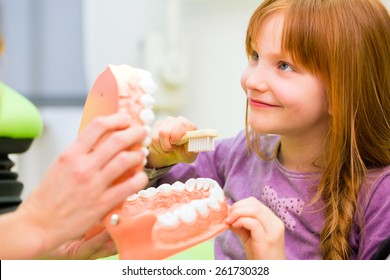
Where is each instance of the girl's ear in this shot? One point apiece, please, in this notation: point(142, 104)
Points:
point(329, 106)
point(330, 111)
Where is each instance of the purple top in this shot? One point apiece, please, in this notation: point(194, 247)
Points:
point(287, 193)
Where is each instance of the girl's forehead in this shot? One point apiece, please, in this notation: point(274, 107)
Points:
point(269, 32)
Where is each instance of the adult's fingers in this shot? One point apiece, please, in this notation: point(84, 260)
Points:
point(99, 127)
point(119, 192)
point(115, 143)
point(121, 163)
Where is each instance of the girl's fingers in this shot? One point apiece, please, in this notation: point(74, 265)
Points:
point(169, 132)
point(99, 127)
point(180, 127)
point(252, 208)
point(242, 233)
point(246, 207)
point(246, 228)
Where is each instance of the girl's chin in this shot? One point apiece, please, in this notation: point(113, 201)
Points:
point(262, 127)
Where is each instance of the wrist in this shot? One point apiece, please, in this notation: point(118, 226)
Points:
point(158, 163)
point(20, 238)
point(33, 234)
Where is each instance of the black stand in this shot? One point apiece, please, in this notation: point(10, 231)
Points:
point(10, 188)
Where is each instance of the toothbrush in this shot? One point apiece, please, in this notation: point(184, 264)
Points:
point(199, 140)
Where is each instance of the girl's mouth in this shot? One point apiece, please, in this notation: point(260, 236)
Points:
point(260, 104)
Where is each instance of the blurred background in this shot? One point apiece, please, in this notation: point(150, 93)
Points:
point(54, 50)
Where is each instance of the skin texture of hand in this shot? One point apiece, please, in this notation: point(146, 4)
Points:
point(77, 190)
point(165, 135)
point(259, 229)
point(99, 246)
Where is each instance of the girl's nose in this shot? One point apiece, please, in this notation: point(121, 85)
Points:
point(254, 78)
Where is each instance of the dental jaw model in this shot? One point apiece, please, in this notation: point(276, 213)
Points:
point(157, 222)
point(122, 88)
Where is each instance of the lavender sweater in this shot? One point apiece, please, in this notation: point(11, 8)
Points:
point(288, 194)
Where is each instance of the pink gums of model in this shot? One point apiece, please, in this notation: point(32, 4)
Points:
point(157, 222)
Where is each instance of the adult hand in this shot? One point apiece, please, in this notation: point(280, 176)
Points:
point(79, 188)
point(99, 246)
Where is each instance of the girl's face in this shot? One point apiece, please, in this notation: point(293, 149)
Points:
point(283, 98)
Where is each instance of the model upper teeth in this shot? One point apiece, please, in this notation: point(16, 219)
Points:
point(147, 100)
point(189, 212)
point(147, 116)
point(147, 84)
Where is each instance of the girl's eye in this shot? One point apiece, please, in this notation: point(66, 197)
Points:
point(284, 66)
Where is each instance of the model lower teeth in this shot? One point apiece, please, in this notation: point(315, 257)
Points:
point(189, 201)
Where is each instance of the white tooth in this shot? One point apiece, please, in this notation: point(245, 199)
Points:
point(147, 84)
point(217, 193)
point(147, 116)
point(200, 206)
point(148, 129)
point(186, 213)
point(178, 186)
point(168, 219)
point(145, 161)
point(164, 188)
point(190, 184)
point(147, 141)
point(132, 197)
point(213, 203)
point(199, 183)
point(149, 192)
point(147, 100)
point(207, 183)
point(190, 187)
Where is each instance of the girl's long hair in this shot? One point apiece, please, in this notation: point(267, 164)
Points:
point(347, 44)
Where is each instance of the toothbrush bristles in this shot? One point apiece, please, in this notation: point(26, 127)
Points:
point(201, 144)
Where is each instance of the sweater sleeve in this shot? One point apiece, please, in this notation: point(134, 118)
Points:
point(376, 218)
point(207, 165)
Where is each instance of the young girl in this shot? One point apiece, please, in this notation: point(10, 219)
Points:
point(315, 181)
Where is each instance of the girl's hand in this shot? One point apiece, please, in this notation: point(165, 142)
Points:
point(259, 229)
point(163, 149)
point(80, 187)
